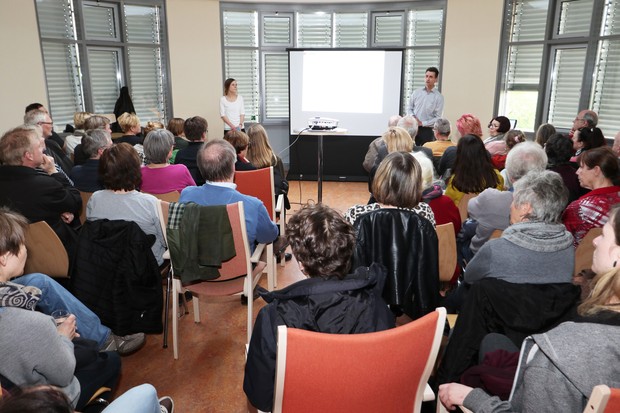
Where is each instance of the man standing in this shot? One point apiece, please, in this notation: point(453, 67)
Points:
point(426, 104)
point(216, 161)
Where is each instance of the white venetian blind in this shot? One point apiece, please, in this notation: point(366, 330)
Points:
point(277, 30)
point(240, 29)
point(566, 79)
point(606, 90)
point(314, 29)
point(276, 85)
point(351, 29)
point(100, 21)
point(529, 20)
point(389, 29)
point(573, 14)
point(105, 67)
point(242, 65)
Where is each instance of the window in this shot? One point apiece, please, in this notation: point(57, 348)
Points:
point(255, 39)
point(561, 57)
point(93, 48)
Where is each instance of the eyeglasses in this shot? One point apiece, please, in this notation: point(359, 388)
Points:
point(46, 123)
point(582, 119)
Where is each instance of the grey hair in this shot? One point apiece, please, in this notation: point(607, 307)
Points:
point(410, 124)
point(545, 192)
point(34, 116)
point(428, 172)
point(94, 140)
point(216, 160)
point(442, 126)
point(523, 158)
point(591, 118)
point(393, 121)
point(157, 145)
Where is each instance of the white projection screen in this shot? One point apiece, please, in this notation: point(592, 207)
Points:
point(359, 88)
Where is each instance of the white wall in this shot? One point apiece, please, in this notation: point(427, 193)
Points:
point(22, 79)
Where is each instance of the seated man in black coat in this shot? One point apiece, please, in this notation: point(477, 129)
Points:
point(86, 176)
point(323, 243)
point(38, 196)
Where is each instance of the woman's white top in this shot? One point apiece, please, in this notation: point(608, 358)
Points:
point(232, 110)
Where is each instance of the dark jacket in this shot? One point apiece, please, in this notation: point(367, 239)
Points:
point(406, 244)
point(187, 157)
point(85, 177)
point(514, 310)
point(116, 275)
point(55, 150)
point(41, 197)
point(349, 306)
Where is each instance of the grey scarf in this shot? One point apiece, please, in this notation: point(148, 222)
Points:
point(539, 236)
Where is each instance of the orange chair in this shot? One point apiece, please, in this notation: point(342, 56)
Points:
point(603, 400)
point(585, 251)
point(381, 372)
point(446, 242)
point(85, 197)
point(463, 205)
point(46, 253)
point(172, 196)
point(259, 184)
point(237, 275)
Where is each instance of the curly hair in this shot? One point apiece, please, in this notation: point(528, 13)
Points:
point(469, 124)
point(322, 241)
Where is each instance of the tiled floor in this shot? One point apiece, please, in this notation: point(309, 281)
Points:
point(208, 375)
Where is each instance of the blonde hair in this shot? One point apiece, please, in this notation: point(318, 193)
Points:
point(127, 121)
point(606, 286)
point(151, 126)
point(428, 171)
point(259, 151)
point(79, 118)
point(397, 139)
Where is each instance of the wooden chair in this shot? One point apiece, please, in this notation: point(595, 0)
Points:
point(497, 234)
point(385, 371)
point(603, 400)
point(85, 197)
point(237, 276)
point(46, 253)
point(446, 241)
point(463, 205)
point(585, 250)
point(168, 196)
point(259, 184)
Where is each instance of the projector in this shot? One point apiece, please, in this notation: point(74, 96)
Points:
point(319, 123)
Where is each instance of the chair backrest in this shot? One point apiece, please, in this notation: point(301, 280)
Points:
point(85, 197)
point(463, 205)
point(446, 241)
point(585, 250)
point(239, 264)
point(258, 183)
point(172, 196)
point(46, 253)
point(603, 400)
point(497, 234)
point(385, 371)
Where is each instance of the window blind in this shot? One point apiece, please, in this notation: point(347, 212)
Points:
point(101, 21)
point(276, 85)
point(351, 29)
point(606, 88)
point(566, 79)
point(105, 66)
point(314, 30)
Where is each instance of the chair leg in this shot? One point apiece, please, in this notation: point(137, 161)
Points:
point(196, 302)
point(167, 305)
point(249, 290)
point(271, 268)
point(175, 318)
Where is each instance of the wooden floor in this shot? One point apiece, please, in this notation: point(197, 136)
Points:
point(208, 375)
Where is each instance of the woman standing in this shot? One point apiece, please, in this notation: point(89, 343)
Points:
point(232, 110)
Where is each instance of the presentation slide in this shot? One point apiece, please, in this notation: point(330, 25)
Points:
point(359, 88)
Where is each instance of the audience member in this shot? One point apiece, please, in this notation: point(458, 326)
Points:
point(86, 176)
point(498, 126)
point(119, 170)
point(53, 149)
point(554, 373)
point(441, 130)
point(158, 176)
point(71, 141)
point(39, 106)
point(240, 141)
point(175, 126)
point(195, 129)
point(511, 138)
point(535, 248)
point(598, 169)
point(543, 133)
point(93, 122)
point(587, 138)
point(331, 300)
point(216, 160)
point(46, 295)
point(130, 124)
point(616, 145)
point(378, 145)
point(559, 149)
point(467, 124)
point(585, 119)
point(473, 171)
point(397, 184)
point(410, 124)
point(151, 126)
point(45, 196)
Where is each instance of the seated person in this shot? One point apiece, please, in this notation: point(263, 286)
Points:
point(92, 123)
point(195, 129)
point(39, 196)
point(598, 169)
point(535, 248)
point(130, 124)
point(216, 160)
point(555, 373)
point(36, 399)
point(442, 141)
point(240, 141)
point(397, 184)
point(330, 301)
point(46, 295)
point(86, 176)
point(175, 126)
point(71, 141)
point(559, 150)
point(158, 176)
point(119, 169)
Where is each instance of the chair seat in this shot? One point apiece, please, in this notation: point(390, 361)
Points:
point(228, 287)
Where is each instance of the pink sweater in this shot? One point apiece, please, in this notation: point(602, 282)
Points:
point(166, 179)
